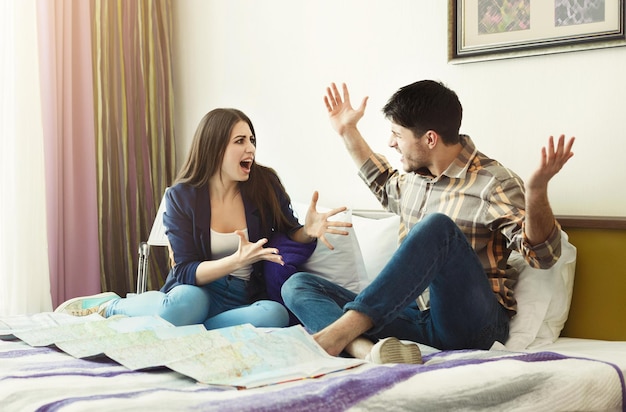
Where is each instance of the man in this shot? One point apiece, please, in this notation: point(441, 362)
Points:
point(461, 215)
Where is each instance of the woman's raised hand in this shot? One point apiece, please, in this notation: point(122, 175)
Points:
point(317, 224)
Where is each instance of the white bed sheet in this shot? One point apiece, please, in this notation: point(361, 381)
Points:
point(607, 351)
point(47, 379)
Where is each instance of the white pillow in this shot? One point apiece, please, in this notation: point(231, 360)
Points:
point(543, 299)
point(378, 240)
point(343, 265)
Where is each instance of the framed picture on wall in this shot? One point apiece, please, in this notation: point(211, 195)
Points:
point(499, 29)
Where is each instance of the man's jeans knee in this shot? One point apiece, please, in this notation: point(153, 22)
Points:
point(315, 301)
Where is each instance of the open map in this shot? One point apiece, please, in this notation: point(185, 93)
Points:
point(241, 356)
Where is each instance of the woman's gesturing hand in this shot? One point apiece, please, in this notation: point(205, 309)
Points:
point(249, 252)
point(317, 224)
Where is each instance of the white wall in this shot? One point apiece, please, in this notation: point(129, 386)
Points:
point(274, 58)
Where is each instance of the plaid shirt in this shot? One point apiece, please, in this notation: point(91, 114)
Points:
point(486, 201)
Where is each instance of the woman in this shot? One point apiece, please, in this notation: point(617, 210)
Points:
point(219, 214)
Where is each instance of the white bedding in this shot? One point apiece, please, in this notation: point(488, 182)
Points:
point(560, 376)
point(608, 351)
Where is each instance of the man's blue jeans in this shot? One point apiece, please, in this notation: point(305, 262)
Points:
point(222, 303)
point(464, 311)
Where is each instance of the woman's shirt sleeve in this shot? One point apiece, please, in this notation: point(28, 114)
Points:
point(186, 242)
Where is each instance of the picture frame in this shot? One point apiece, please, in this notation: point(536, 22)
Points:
point(498, 29)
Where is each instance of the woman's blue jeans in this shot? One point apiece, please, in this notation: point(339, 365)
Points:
point(464, 311)
point(219, 304)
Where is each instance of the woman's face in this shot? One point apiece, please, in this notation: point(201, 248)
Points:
point(239, 154)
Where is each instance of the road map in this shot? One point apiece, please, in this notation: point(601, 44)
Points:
point(242, 356)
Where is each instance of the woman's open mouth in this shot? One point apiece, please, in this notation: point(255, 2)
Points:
point(246, 165)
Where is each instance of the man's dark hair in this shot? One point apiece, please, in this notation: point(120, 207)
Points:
point(426, 105)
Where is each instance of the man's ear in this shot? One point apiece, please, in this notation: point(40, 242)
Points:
point(432, 138)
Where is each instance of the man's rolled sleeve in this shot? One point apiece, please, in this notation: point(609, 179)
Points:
point(543, 255)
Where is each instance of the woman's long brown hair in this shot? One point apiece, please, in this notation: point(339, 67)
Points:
point(205, 160)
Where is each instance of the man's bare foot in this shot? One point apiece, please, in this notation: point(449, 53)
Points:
point(340, 334)
point(331, 344)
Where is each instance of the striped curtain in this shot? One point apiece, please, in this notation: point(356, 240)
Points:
point(134, 116)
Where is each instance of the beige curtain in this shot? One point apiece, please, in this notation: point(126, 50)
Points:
point(134, 109)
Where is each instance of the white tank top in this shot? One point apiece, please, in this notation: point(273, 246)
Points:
point(225, 244)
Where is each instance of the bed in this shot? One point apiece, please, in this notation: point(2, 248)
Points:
point(567, 351)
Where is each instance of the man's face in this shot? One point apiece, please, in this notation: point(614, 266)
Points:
point(414, 151)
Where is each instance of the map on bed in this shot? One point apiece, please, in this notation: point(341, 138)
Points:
point(241, 356)
point(48, 379)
